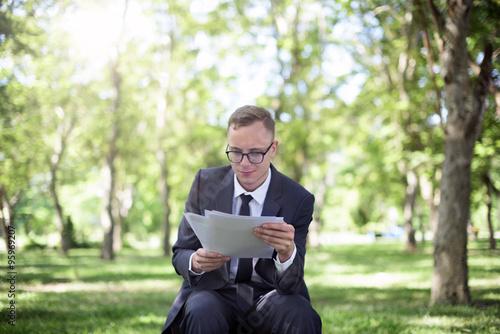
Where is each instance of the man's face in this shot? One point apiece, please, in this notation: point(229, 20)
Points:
point(246, 139)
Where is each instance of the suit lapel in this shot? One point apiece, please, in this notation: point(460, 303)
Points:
point(271, 206)
point(265, 267)
point(224, 199)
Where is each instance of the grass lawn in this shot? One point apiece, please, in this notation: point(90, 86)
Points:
point(374, 288)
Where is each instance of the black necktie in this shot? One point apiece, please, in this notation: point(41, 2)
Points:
point(244, 274)
point(245, 208)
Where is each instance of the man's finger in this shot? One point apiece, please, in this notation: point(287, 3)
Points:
point(208, 254)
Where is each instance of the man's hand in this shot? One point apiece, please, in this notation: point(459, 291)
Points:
point(207, 261)
point(280, 236)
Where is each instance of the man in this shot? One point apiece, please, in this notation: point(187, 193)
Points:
point(220, 294)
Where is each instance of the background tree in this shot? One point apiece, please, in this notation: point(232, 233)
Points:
point(485, 163)
point(485, 187)
point(396, 141)
point(58, 102)
point(465, 102)
point(54, 158)
point(108, 171)
point(20, 42)
point(300, 44)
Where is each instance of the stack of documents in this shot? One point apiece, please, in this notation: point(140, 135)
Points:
point(231, 235)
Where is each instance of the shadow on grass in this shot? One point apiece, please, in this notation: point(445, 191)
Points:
point(147, 285)
point(380, 288)
point(361, 296)
point(84, 312)
point(402, 310)
point(85, 266)
point(82, 293)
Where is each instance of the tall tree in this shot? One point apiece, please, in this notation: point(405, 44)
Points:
point(54, 159)
point(299, 84)
point(490, 189)
point(465, 100)
point(165, 68)
point(178, 88)
point(109, 169)
point(21, 39)
point(7, 205)
point(394, 142)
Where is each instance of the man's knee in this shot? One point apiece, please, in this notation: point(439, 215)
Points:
point(200, 301)
point(204, 312)
point(285, 313)
point(201, 304)
point(292, 306)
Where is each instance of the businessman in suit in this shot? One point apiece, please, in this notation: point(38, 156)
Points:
point(227, 295)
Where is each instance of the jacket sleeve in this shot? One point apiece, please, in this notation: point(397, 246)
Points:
point(187, 242)
point(203, 190)
point(292, 279)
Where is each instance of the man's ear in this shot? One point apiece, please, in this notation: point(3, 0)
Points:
point(274, 149)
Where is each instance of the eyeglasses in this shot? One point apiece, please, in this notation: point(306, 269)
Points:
point(253, 157)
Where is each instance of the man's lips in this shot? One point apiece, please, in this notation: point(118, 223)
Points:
point(246, 172)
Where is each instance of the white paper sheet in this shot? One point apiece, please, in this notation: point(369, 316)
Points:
point(231, 235)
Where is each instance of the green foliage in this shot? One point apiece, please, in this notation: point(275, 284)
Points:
point(184, 68)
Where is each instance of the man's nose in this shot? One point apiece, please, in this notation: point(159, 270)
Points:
point(246, 160)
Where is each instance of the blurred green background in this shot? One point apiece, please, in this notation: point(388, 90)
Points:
point(109, 109)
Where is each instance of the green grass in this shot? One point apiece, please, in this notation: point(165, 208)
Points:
point(376, 288)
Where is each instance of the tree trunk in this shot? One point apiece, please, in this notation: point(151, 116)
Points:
point(163, 125)
point(117, 232)
point(450, 278)
point(420, 214)
point(164, 193)
point(431, 195)
point(471, 230)
point(498, 213)
point(107, 218)
point(61, 227)
point(64, 129)
point(466, 108)
point(5, 216)
point(109, 181)
point(54, 164)
point(489, 204)
point(108, 171)
point(411, 193)
point(123, 201)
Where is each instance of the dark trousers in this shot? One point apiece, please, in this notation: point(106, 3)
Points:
point(217, 312)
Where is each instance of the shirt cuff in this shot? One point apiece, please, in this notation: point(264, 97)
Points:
point(190, 269)
point(281, 267)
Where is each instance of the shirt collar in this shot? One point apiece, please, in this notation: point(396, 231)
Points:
point(258, 194)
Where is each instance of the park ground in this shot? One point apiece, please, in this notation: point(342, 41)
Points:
point(356, 288)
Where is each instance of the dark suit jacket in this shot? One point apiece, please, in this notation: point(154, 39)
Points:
point(213, 189)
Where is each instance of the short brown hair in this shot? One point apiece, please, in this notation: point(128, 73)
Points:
point(247, 115)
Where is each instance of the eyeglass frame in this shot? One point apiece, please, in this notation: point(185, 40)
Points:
point(248, 155)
